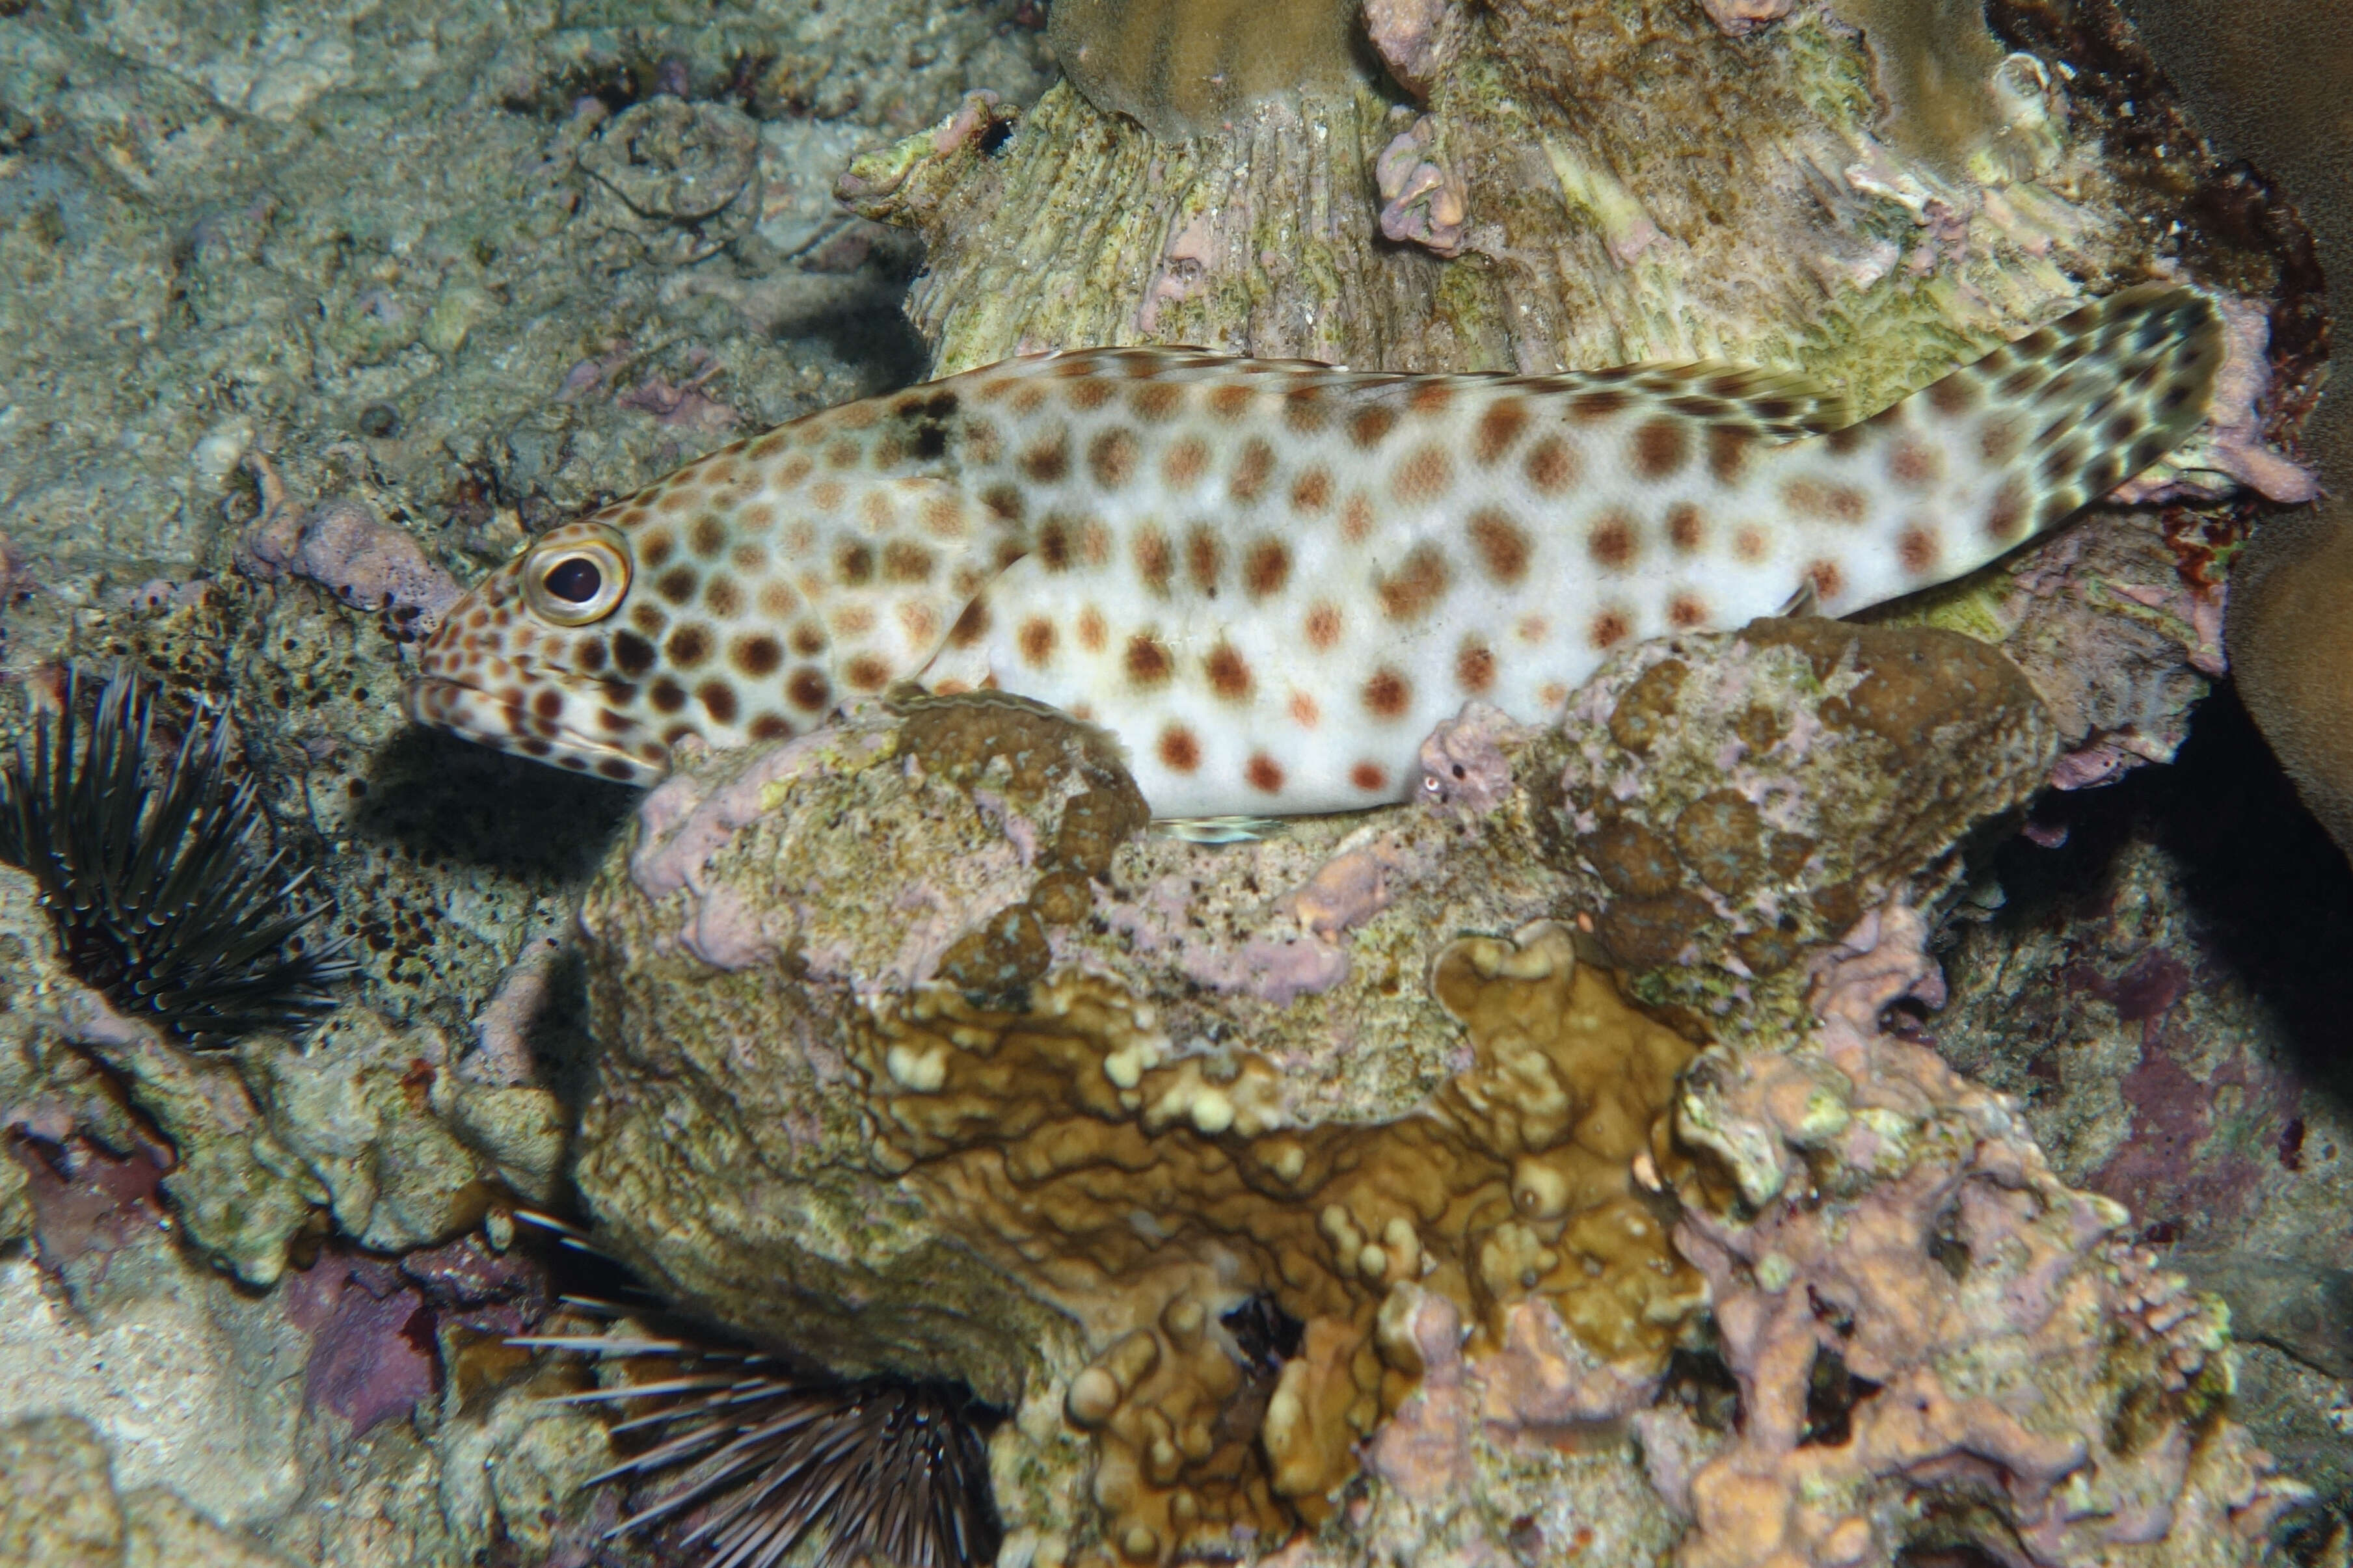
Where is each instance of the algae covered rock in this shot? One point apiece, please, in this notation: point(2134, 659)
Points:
point(1742, 798)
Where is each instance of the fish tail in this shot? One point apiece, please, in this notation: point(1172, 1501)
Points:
point(1965, 470)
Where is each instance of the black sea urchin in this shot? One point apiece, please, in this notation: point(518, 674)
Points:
point(891, 1470)
point(146, 863)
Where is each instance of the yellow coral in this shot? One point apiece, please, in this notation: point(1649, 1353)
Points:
point(1150, 1197)
point(1176, 66)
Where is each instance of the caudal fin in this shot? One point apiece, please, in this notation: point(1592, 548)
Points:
point(2072, 410)
point(1965, 468)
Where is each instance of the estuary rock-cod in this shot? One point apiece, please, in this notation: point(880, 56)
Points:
point(1270, 579)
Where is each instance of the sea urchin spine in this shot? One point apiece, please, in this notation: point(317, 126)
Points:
point(159, 900)
point(891, 1470)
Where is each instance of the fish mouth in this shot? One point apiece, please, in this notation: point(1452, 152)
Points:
point(488, 718)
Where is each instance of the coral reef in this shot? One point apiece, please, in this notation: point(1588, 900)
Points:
point(903, 1035)
point(315, 307)
point(1939, 1346)
point(964, 1089)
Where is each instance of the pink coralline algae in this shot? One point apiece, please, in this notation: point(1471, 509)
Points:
point(1939, 1346)
point(1412, 39)
point(1424, 202)
point(345, 548)
point(371, 1340)
point(1740, 17)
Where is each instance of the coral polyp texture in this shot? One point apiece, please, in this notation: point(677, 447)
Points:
point(986, 1151)
point(145, 854)
point(1742, 798)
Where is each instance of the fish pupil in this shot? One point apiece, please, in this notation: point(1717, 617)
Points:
point(576, 580)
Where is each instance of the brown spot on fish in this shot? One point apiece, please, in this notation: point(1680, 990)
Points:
point(1154, 561)
point(1312, 491)
point(1423, 477)
point(1157, 401)
point(2006, 518)
point(1370, 777)
point(1148, 664)
point(1179, 751)
point(1610, 628)
point(1916, 547)
point(1037, 640)
point(1474, 667)
point(1613, 542)
point(1414, 589)
point(1551, 465)
point(1093, 633)
point(808, 691)
point(1370, 426)
point(1266, 567)
point(689, 645)
point(718, 699)
point(1186, 461)
point(1229, 672)
point(1322, 628)
point(1205, 559)
point(1387, 693)
point(1047, 460)
point(1264, 774)
point(1305, 410)
point(1502, 546)
point(1305, 711)
point(1111, 457)
point(1662, 447)
point(904, 561)
point(1498, 429)
point(757, 655)
point(1250, 473)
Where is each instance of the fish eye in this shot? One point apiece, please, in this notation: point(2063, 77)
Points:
point(577, 577)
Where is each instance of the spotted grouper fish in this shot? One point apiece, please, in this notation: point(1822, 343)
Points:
point(1270, 579)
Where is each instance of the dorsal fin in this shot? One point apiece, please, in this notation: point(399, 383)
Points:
point(1781, 405)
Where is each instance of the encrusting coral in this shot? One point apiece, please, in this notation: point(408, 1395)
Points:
point(1940, 1348)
